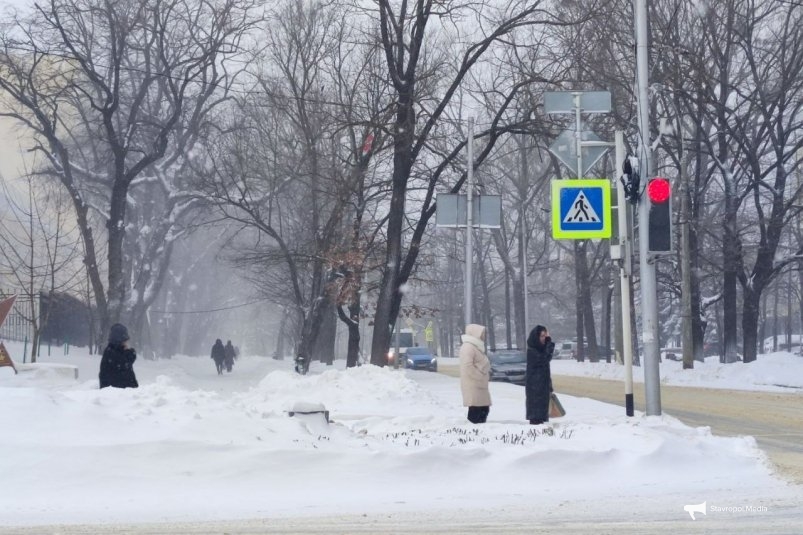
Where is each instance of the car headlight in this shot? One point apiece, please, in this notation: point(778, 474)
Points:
point(410, 362)
point(433, 361)
point(390, 355)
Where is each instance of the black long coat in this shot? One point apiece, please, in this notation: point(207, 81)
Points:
point(218, 353)
point(538, 380)
point(228, 350)
point(117, 367)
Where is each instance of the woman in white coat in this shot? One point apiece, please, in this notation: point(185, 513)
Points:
point(475, 372)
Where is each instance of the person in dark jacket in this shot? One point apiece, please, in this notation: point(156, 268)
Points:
point(230, 355)
point(219, 355)
point(117, 364)
point(538, 380)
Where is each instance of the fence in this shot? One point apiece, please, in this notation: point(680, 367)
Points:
point(18, 326)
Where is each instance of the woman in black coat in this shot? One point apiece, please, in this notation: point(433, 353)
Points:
point(538, 381)
point(218, 355)
point(117, 364)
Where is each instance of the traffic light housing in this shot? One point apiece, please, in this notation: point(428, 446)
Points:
point(659, 195)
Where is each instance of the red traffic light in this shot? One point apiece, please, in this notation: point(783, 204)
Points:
point(658, 190)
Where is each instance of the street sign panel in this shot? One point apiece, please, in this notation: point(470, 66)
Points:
point(581, 209)
point(565, 149)
point(590, 101)
point(429, 333)
point(451, 210)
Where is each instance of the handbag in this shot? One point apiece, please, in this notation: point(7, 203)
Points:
point(556, 409)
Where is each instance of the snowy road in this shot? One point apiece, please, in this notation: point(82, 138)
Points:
point(782, 519)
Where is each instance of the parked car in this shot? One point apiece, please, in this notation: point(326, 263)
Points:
point(421, 358)
point(602, 353)
point(508, 365)
point(672, 353)
point(564, 350)
point(782, 344)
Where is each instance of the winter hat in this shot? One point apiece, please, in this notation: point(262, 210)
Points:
point(534, 340)
point(118, 334)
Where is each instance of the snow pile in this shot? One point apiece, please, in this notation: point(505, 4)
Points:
point(192, 445)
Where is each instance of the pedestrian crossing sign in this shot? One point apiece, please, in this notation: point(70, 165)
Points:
point(581, 209)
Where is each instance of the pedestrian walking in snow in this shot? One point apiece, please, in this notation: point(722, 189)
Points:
point(219, 355)
point(230, 355)
point(117, 363)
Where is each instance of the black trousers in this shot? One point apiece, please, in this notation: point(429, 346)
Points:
point(478, 415)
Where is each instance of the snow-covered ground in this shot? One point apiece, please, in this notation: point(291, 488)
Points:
point(190, 445)
point(774, 372)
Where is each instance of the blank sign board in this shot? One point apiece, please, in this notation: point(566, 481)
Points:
point(590, 101)
point(451, 210)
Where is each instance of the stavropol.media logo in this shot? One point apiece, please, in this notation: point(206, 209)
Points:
point(691, 509)
point(701, 508)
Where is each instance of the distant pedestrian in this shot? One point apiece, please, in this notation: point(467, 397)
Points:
point(230, 355)
point(475, 372)
point(117, 364)
point(219, 355)
point(538, 380)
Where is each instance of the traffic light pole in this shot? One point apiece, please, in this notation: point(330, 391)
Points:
point(625, 247)
point(649, 289)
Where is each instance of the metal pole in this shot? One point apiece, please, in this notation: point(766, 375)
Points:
point(523, 222)
point(524, 267)
point(624, 273)
point(649, 291)
point(578, 127)
point(469, 221)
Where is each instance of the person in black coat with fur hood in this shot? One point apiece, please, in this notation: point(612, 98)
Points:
point(117, 364)
point(538, 380)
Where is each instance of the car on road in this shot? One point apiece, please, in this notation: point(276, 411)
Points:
point(420, 358)
point(508, 365)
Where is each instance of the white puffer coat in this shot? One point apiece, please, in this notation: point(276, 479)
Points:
point(475, 368)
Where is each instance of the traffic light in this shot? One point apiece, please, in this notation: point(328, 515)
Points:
point(631, 185)
point(659, 194)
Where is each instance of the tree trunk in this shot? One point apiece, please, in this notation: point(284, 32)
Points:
point(310, 327)
point(324, 347)
point(729, 304)
point(486, 306)
point(587, 304)
point(389, 298)
point(750, 323)
point(352, 321)
point(698, 322)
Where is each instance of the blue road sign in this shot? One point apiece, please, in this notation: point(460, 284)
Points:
point(581, 209)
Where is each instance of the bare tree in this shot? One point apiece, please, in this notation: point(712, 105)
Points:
point(110, 89)
point(747, 100)
point(38, 249)
point(410, 41)
point(283, 172)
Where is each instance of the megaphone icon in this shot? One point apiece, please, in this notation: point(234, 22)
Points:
point(699, 508)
